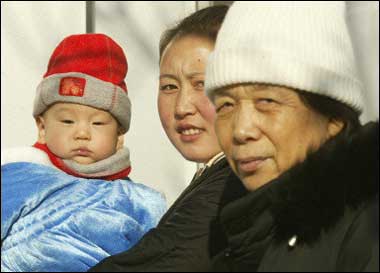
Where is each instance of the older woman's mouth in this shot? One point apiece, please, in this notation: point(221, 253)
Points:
point(249, 165)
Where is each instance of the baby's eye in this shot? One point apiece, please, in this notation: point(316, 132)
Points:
point(98, 123)
point(67, 121)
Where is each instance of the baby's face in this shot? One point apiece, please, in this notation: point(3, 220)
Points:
point(78, 132)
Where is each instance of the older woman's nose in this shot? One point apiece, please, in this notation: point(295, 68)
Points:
point(184, 104)
point(245, 125)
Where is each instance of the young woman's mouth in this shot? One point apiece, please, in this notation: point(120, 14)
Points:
point(189, 133)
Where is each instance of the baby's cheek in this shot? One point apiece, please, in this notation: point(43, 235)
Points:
point(106, 147)
point(58, 146)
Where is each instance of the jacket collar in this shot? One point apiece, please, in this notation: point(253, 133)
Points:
point(313, 195)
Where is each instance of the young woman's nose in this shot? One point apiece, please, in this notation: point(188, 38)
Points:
point(184, 104)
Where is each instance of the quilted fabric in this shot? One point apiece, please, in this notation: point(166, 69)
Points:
point(51, 221)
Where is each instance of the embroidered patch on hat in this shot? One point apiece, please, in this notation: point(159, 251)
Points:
point(72, 86)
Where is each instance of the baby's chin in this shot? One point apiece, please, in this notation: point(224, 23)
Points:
point(83, 160)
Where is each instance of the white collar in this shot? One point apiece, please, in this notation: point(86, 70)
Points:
point(25, 154)
point(215, 159)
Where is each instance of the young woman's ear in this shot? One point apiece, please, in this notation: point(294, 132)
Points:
point(120, 142)
point(41, 130)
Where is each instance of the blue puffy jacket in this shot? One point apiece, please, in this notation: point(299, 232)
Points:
point(51, 221)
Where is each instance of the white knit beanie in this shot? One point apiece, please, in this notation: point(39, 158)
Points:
point(301, 45)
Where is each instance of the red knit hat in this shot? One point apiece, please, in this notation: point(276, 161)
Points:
point(87, 69)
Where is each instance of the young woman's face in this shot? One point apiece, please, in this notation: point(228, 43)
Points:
point(186, 114)
point(78, 132)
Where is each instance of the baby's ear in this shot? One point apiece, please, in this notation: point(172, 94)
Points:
point(120, 142)
point(41, 129)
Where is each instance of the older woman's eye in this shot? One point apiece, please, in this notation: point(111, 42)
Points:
point(168, 87)
point(266, 102)
point(200, 84)
point(224, 107)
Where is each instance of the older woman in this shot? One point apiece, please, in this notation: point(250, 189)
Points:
point(288, 103)
point(180, 241)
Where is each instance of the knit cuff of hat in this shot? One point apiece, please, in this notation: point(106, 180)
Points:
point(230, 66)
point(96, 93)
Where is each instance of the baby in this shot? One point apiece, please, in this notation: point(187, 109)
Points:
point(60, 212)
point(82, 108)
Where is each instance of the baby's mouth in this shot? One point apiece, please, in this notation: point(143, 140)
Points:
point(82, 152)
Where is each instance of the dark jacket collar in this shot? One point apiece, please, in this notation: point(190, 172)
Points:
point(313, 195)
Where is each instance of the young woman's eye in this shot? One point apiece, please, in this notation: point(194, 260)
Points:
point(168, 87)
point(67, 121)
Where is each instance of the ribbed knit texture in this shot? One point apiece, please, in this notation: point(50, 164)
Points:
point(93, 54)
point(301, 45)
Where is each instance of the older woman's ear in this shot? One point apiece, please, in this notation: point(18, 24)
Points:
point(334, 127)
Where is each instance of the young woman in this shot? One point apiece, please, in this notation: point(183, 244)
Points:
point(180, 241)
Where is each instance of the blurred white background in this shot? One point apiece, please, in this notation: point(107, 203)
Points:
point(31, 30)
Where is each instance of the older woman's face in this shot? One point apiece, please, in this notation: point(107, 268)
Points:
point(265, 130)
point(186, 114)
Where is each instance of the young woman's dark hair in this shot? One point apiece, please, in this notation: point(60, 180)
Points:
point(205, 23)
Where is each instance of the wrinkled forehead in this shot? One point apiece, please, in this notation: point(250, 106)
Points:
point(249, 89)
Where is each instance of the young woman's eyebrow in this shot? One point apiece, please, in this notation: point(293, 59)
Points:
point(168, 76)
point(195, 74)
